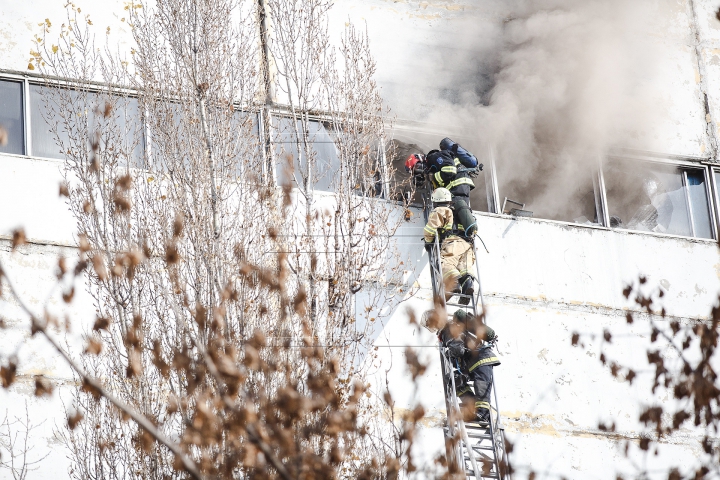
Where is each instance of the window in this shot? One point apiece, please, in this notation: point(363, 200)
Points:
point(294, 169)
point(658, 198)
point(551, 185)
point(406, 142)
point(245, 143)
point(122, 132)
point(41, 115)
point(11, 116)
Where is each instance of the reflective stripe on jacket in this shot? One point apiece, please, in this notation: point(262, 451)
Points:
point(485, 357)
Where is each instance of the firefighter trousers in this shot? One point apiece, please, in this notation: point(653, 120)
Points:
point(481, 379)
point(457, 259)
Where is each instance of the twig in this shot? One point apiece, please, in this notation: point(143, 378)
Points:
point(141, 420)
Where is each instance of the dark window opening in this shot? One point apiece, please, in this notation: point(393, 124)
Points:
point(551, 186)
point(406, 143)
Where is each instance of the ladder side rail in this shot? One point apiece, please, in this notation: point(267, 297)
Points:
point(451, 441)
point(494, 426)
point(501, 430)
point(434, 256)
point(453, 445)
point(495, 419)
point(439, 286)
point(457, 418)
point(477, 277)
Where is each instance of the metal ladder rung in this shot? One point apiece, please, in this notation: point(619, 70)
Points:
point(452, 304)
point(478, 447)
point(470, 473)
point(478, 426)
point(482, 457)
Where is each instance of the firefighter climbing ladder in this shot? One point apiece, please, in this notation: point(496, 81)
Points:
point(478, 449)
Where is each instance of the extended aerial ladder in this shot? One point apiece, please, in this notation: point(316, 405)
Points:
point(476, 449)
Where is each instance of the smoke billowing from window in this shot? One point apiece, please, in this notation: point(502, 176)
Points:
point(550, 86)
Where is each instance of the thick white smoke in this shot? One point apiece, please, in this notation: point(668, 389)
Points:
point(551, 85)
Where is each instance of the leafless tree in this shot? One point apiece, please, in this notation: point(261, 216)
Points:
point(15, 441)
point(683, 358)
point(234, 318)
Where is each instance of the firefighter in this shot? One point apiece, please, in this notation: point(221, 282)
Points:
point(415, 166)
point(451, 167)
point(469, 345)
point(453, 222)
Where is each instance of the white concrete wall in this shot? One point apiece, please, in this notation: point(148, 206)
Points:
point(543, 281)
point(19, 25)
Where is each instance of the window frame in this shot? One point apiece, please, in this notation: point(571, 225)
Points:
point(715, 193)
point(28, 79)
point(21, 79)
point(683, 164)
point(277, 112)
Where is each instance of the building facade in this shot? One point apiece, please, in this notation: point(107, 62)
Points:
point(623, 184)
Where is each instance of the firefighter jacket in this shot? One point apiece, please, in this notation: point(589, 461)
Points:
point(462, 344)
point(447, 169)
point(451, 224)
point(440, 222)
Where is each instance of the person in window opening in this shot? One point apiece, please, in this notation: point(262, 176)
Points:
point(656, 213)
point(469, 345)
point(449, 167)
point(455, 225)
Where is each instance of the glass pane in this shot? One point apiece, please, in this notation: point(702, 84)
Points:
point(294, 169)
point(127, 117)
point(122, 131)
point(245, 130)
point(717, 194)
point(41, 119)
point(11, 118)
point(647, 197)
point(699, 203)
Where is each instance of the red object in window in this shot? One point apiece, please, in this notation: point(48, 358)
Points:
point(411, 161)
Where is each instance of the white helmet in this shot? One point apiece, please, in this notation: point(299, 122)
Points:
point(441, 195)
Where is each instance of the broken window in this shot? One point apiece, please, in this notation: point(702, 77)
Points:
point(555, 186)
point(11, 116)
point(406, 142)
point(659, 198)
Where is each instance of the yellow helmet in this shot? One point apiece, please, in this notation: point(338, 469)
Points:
point(441, 195)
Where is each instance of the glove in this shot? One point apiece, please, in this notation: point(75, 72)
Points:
point(480, 167)
point(429, 247)
point(456, 348)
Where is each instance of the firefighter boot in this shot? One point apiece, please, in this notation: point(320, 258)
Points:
point(483, 416)
point(467, 288)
